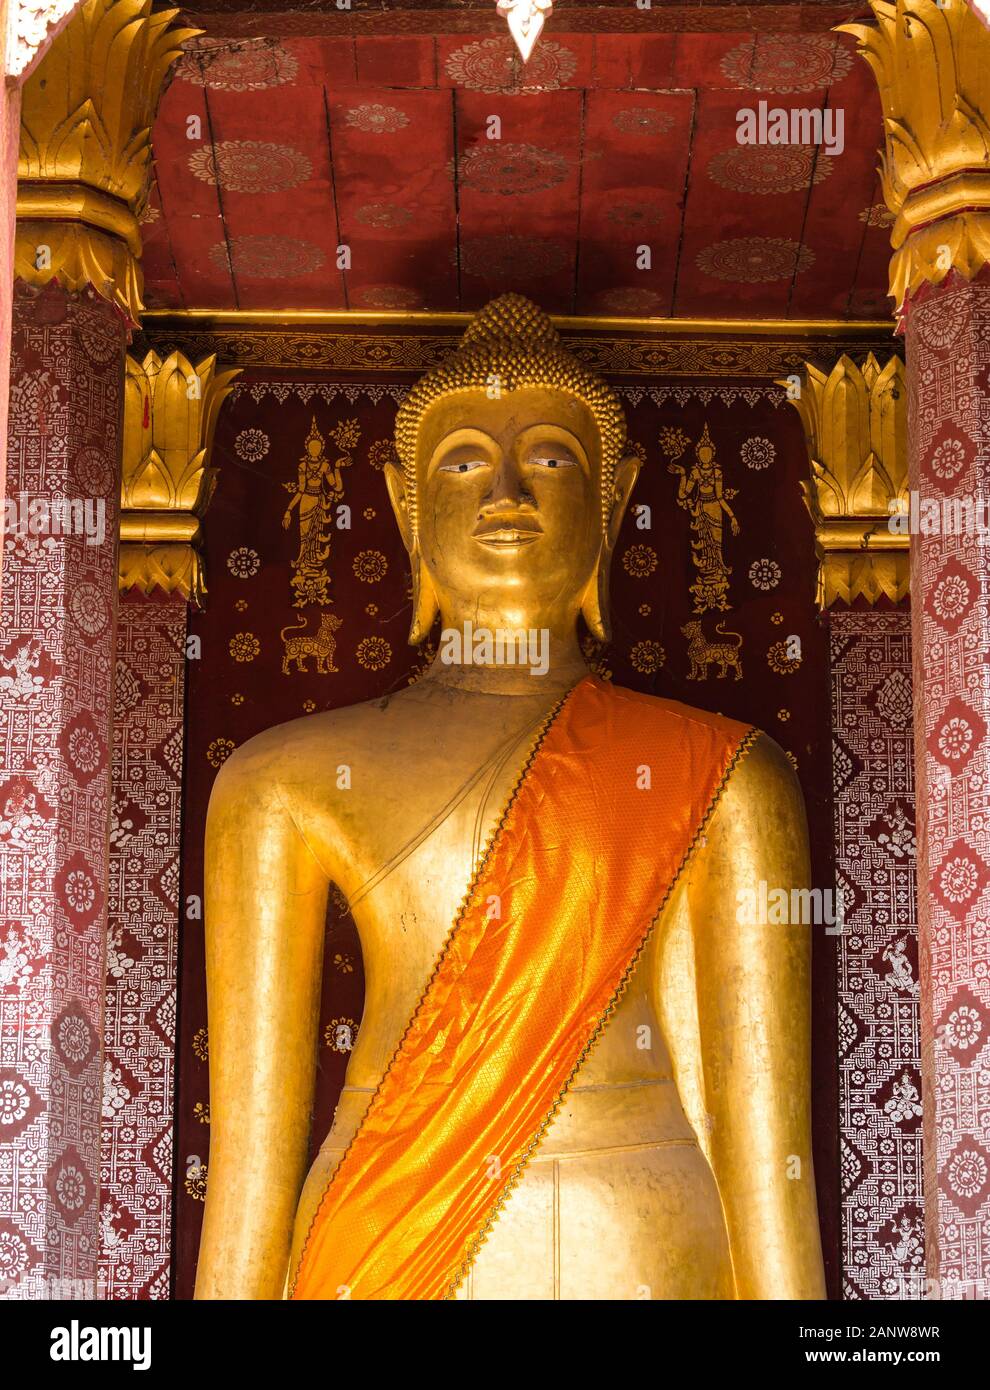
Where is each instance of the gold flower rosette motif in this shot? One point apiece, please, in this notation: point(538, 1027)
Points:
point(84, 168)
point(932, 66)
point(170, 415)
point(855, 427)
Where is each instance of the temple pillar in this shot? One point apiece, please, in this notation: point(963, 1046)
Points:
point(10, 118)
point(84, 170)
point(170, 412)
point(855, 425)
point(932, 64)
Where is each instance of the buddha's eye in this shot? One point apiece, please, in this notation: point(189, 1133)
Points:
point(553, 459)
point(466, 466)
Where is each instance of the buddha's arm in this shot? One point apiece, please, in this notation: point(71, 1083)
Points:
point(265, 911)
point(754, 1007)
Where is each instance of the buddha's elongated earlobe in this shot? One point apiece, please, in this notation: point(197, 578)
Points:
point(594, 606)
point(425, 603)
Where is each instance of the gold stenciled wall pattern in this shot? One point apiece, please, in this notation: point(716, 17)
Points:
point(316, 492)
point(353, 646)
point(702, 492)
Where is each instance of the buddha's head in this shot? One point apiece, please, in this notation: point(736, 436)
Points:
point(512, 480)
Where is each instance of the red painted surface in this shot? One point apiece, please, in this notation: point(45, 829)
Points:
point(606, 143)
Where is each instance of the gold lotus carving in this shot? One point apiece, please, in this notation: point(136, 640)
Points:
point(855, 426)
point(170, 415)
point(85, 145)
point(932, 66)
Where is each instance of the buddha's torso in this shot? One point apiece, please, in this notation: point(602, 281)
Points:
point(618, 1202)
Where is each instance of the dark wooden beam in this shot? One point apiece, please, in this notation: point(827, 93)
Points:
point(302, 18)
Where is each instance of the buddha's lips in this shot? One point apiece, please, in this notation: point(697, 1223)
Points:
point(503, 532)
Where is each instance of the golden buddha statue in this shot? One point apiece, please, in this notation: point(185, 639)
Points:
point(595, 1084)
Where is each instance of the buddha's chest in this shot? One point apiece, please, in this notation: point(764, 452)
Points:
point(405, 914)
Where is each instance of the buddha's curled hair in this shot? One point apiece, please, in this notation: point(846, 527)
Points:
point(512, 343)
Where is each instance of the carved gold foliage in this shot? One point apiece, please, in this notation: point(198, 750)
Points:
point(932, 65)
point(85, 145)
point(855, 427)
point(173, 568)
point(844, 576)
point(88, 108)
point(78, 255)
point(170, 415)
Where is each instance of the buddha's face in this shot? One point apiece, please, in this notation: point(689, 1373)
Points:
point(509, 511)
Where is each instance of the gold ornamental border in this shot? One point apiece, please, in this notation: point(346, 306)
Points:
point(309, 340)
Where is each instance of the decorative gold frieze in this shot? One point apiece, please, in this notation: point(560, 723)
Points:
point(656, 352)
point(84, 169)
point(170, 414)
point(855, 427)
point(932, 65)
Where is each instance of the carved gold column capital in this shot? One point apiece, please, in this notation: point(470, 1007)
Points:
point(84, 168)
point(855, 426)
point(170, 414)
point(932, 66)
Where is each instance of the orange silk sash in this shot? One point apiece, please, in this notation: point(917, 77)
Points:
point(579, 867)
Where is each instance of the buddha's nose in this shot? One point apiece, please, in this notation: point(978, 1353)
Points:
point(508, 487)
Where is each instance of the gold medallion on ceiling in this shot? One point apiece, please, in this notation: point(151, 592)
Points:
point(786, 63)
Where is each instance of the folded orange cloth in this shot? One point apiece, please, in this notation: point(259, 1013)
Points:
point(581, 864)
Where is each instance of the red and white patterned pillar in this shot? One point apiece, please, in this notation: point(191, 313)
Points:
point(948, 359)
point(855, 425)
point(56, 666)
point(166, 484)
point(932, 65)
point(135, 1215)
point(57, 626)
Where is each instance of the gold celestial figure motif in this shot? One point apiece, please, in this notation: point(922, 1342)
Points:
point(319, 486)
point(703, 494)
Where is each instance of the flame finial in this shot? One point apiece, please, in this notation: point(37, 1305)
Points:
point(526, 19)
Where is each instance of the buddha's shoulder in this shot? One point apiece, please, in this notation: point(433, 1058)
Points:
point(757, 765)
point(306, 744)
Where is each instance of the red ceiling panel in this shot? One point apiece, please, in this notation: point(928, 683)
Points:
point(631, 198)
point(742, 227)
point(518, 195)
point(396, 62)
point(835, 225)
point(191, 206)
point(392, 151)
point(161, 280)
point(869, 298)
point(713, 60)
point(274, 157)
point(324, 62)
point(607, 142)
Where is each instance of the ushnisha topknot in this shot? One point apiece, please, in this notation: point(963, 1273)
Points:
point(512, 342)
